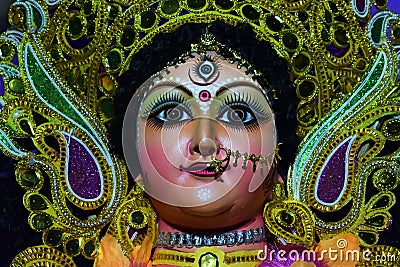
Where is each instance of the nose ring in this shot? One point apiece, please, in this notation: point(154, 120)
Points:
point(207, 147)
point(220, 165)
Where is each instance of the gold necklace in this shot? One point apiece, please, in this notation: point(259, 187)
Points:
point(207, 257)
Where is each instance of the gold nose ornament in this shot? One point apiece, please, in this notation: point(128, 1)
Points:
point(220, 165)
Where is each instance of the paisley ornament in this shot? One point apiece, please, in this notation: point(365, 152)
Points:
point(332, 179)
point(279, 215)
point(42, 255)
point(83, 173)
point(60, 61)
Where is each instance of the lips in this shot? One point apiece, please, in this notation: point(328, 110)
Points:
point(199, 169)
point(204, 173)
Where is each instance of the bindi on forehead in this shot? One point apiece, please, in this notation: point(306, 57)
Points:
point(204, 95)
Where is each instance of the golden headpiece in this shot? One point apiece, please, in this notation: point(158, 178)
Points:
point(59, 66)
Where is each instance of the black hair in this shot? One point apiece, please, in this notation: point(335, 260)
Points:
point(167, 47)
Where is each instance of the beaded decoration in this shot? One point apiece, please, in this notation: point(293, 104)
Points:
point(59, 65)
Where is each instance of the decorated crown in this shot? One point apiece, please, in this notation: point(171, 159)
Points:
point(59, 69)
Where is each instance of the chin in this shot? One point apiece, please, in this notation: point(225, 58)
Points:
point(208, 211)
point(221, 214)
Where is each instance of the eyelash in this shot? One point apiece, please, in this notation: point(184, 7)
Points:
point(247, 101)
point(169, 99)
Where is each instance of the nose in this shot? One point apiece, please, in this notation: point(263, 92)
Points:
point(206, 147)
point(204, 140)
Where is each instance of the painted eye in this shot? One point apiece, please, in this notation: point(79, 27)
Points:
point(206, 69)
point(173, 114)
point(237, 115)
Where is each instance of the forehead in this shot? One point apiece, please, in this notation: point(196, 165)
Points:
point(207, 70)
point(211, 74)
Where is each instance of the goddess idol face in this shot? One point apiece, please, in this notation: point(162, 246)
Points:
point(194, 114)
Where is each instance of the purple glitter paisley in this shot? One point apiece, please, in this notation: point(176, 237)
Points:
point(360, 4)
point(1, 85)
point(83, 173)
point(333, 177)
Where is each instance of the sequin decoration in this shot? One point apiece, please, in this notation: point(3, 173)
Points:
point(45, 87)
point(8, 145)
point(60, 64)
point(362, 94)
point(84, 174)
point(332, 180)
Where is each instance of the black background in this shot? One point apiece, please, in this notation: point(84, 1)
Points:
point(4, 4)
point(15, 233)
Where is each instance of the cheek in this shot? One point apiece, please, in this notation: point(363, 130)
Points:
point(160, 151)
point(155, 149)
point(260, 142)
point(267, 139)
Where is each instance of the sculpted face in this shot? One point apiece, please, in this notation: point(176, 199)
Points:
point(190, 116)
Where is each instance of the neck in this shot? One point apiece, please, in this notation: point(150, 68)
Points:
point(252, 241)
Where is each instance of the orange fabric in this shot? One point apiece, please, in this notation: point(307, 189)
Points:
point(110, 253)
point(301, 263)
point(141, 254)
point(340, 251)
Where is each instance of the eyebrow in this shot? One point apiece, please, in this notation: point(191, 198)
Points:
point(184, 89)
point(223, 89)
point(220, 90)
point(176, 86)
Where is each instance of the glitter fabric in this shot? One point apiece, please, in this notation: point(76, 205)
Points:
point(48, 91)
point(332, 178)
point(361, 94)
point(4, 141)
point(83, 174)
point(66, 74)
point(15, 60)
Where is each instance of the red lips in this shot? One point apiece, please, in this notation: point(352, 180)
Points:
point(199, 169)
